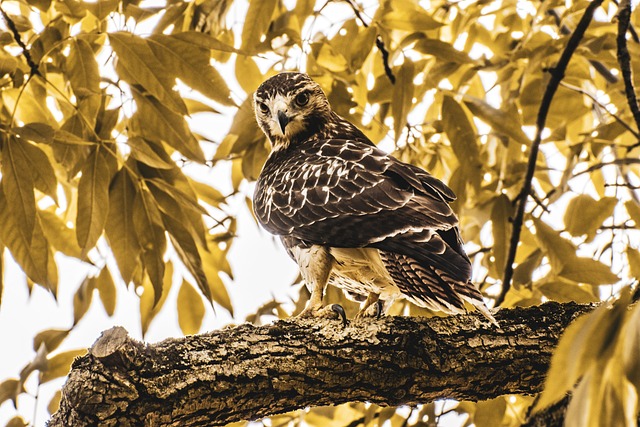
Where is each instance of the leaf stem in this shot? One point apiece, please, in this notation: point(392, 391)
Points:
point(557, 74)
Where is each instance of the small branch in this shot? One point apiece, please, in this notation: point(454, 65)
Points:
point(624, 16)
point(617, 162)
point(16, 36)
point(379, 43)
point(557, 74)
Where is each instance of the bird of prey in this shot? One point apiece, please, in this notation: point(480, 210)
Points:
point(351, 215)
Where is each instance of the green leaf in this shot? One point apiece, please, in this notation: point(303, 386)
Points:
point(51, 338)
point(402, 98)
point(410, 20)
point(190, 309)
point(18, 184)
point(154, 122)
point(93, 198)
point(584, 214)
point(83, 72)
point(60, 364)
point(256, 23)
point(149, 228)
point(501, 214)
point(504, 122)
point(147, 152)
point(137, 64)
point(190, 63)
point(120, 228)
point(43, 175)
point(107, 291)
point(462, 136)
point(33, 255)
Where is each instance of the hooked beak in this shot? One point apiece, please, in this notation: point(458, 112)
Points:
point(283, 120)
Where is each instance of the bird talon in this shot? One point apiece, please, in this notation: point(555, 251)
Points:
point(338, 309)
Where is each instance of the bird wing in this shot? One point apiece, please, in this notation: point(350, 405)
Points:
point(345, 193)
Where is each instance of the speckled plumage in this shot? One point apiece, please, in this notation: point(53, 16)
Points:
point(352, 215)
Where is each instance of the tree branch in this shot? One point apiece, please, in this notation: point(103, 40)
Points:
point(16, 36)
point(249, 372)
point(557, 74)
point(624, 16)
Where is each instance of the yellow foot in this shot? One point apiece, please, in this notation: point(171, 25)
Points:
point(333, 311)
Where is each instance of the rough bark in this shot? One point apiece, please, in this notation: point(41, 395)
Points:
point(249, 372)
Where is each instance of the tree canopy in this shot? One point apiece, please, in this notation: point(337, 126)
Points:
point(526, 109)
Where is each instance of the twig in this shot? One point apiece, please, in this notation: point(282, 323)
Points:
point(604, 107)
point(616, 162)
point(16, 36)
point(557, 74)
point(379, 43)
point(624, 16)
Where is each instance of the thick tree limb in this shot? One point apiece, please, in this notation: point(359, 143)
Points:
point(249, 372)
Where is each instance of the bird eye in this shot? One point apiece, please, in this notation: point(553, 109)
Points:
point(302, 99)
point(263, 107)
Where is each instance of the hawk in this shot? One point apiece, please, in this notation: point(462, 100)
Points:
point(351, 215)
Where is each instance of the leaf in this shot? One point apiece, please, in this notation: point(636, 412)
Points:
point(361, 47)
point(149, 308)
point(147, 222)
point(120, 228)
point(107, 290)
point(634, 211)
point(51, 338)
point(17, 183)
point(9, 389)
point(218, 289)
point(256, 23)
point(248, 74)
point(585, 341)
point(188, 252)
point(565, 291)
point(82, 299)
point(155, 122)
point(190, 63)
point(631, 347)
point(137, 64)
point(501, 213)
point(43, 175)
point(557, 249)
point(490, 413)
point(504, 122)
point(208, 194)
point(633, 257)
point(60, 364)
point(37, 132)
point(102, 8)
point(208, 42)
point(402, 97)
point(190, 309)
point(584, 214)
point(587, 270)
point(147, 152)
point(331, 60)
point(410, 20)
point(32, 255)
point(462, 136)
point(54, 403)
point(83, 72)
point(93, 199)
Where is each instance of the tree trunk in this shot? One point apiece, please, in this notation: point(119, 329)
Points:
point(249, 372)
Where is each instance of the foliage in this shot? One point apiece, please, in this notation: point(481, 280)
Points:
point(99, 158)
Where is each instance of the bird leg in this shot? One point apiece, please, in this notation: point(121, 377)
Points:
point(315, 265)
point(372, 307)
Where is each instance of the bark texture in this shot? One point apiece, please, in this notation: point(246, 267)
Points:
point(249, 372)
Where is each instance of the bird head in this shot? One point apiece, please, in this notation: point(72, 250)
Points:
point(290, 107)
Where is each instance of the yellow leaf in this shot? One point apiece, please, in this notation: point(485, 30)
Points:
point(149, 308)
point(587, 270)
point(119, 227)
point(504, 122)
point(410, 20)
point(501, 213)
point(247, 73)
point(82, 68)
point(633, 256)
point(51, 338)
point(462, 136)
point(137, 64)
point(634, 211)
point(93, 198)
point(256, 22)
point(584, 214)
point(82, 298)
point(54, 403)
point(60, 364)
point(150, 153)
point(190, 309)
point(218, 289)
point(402, 97)
point(107, 290)
point(331, 60)
point(43, 175)
point(17, 183)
